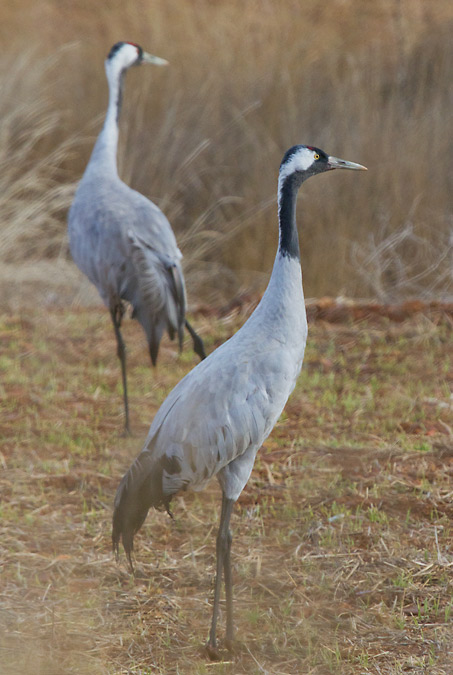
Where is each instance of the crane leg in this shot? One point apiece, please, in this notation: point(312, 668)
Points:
point(223, 549)
point(198, 345)
point(117, 313)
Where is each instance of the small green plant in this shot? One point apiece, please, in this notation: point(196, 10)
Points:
point(403, 579)
point(375, 515)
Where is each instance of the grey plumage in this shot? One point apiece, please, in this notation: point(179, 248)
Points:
point(121, 240)
point(217, 417)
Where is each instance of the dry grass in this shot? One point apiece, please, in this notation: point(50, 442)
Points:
point(342, 546)
point(368, 81)
point(34, 190)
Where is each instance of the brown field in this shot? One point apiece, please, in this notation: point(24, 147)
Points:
point(342, 548)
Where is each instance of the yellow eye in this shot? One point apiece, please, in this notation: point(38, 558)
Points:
point(316, 155)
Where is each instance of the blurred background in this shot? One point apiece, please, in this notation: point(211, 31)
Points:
point(371, 82)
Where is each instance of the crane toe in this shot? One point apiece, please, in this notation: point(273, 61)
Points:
point(212, 652)
point(215, 653)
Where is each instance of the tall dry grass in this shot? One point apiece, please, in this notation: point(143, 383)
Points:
point(34, 188)
point(368, 81)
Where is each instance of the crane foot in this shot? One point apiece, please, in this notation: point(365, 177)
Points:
point(215, 654)
point(212, 652)
point(229, 644)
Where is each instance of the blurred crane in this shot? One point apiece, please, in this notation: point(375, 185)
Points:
point(217, 417)
point(121, 240)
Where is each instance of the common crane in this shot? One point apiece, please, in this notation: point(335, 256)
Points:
point(121, 240)
point(217, 417)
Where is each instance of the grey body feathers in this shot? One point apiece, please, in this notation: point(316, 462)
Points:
point(126, 247)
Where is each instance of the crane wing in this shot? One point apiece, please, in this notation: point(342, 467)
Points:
point(213, 421)
point(217, 414)
point(152, 227)
point(160, 300)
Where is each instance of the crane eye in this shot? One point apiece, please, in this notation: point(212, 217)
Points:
point(316, 155)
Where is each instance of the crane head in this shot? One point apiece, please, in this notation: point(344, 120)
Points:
point(304, 161)
point(123, 55)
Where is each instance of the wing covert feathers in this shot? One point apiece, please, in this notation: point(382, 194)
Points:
point(161, 302)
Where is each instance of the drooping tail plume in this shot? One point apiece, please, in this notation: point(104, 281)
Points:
point(140, 488)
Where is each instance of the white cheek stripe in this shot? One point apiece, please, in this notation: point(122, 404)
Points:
point(300, 161)
point(124, 58)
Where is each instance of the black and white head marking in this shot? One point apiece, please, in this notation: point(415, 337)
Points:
point(299, 163)
point(122, 56)
point(302, 161)
point(127, 54)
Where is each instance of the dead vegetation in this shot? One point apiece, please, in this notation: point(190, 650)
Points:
point(367, 81)
point(343, 546)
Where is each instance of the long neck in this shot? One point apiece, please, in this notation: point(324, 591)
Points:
point(287, 197)
point(285, 285)
point(282, 307)
point(107, 142)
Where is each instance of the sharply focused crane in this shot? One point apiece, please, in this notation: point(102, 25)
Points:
point(121, 240)
point(216, 419)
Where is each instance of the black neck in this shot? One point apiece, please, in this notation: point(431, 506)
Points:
point(289, 239)
point(119, 98)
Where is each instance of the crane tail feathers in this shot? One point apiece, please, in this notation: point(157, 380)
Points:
point(160, 299)
point(153, 351)
point(139, 490)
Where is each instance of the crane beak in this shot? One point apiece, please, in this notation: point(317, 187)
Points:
point(335, 163)
point(154, 60)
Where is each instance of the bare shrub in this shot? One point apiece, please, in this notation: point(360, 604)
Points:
point(404, 265)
